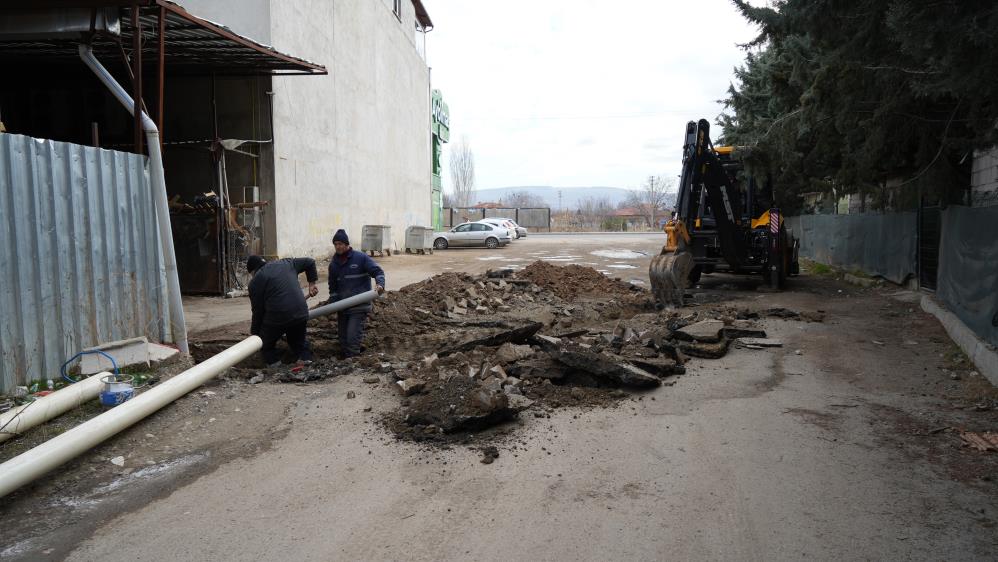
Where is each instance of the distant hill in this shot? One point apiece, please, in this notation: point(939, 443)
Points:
point(570, 196)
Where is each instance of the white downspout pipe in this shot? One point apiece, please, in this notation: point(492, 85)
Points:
point(51, 454)
point(23, 418)
point(178, 327)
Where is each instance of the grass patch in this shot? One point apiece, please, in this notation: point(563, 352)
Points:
point(817, 268)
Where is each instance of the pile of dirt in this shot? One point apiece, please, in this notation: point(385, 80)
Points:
point(471, 352)
point(570, 281)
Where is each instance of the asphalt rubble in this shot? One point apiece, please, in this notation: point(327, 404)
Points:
point(466, 353)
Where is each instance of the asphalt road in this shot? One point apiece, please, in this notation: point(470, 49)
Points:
point(827, 448)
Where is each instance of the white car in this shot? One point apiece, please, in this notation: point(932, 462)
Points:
point(504, 223)
point(472, 234)
point(520, 231)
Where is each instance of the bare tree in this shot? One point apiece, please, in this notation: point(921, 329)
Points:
point(653, 197)
point(522, 200)
point(448, 201)
point(462, 172)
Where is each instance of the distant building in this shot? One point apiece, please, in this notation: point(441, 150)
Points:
point(631, 218)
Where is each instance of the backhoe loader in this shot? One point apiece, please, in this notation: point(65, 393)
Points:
point(723, 220)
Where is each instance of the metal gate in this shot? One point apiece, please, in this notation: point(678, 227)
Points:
point(929, 227)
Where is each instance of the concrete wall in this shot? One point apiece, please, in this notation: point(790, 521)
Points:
point(352, 148)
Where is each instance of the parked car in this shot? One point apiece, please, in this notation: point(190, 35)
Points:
point(472, 234)
point(520, 231)
point(503, 223)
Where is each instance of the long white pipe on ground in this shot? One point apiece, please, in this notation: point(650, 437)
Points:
point(51, 454)
point(178, 327)
point(23, 418)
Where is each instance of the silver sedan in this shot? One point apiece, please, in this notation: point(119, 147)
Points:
point(472, 234)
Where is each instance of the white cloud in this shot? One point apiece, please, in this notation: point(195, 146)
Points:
point(581, 93)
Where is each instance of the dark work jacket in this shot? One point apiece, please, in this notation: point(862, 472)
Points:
point(350, 274)
point(276, 294)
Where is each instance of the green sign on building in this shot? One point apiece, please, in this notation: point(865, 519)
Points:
point(440, 129)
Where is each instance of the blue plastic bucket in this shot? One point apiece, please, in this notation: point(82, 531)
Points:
point(117, 389)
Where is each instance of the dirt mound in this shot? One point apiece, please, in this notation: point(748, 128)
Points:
point(570, 281)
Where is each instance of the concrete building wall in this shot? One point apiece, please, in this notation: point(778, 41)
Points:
point(351, 148)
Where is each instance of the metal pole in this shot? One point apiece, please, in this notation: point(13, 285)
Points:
point(161, 73)
point(137, 76)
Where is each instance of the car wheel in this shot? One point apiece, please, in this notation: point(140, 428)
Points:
point(492, 243)
point(440, 243)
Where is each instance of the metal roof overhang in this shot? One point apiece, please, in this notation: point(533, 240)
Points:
point(422, 16)
point(192, 45)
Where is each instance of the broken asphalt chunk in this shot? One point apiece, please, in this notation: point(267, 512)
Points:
point(760, 342)
point(706, 350)
point(517, 335)
point(606, 368)
point(707, 331)
point(408, 387)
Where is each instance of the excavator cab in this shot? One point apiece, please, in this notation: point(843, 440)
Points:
point(723, 220)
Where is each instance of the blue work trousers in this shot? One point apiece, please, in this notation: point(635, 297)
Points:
point(350, 329)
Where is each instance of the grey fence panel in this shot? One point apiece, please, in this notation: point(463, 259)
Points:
point(883, 245)
point(466, 215)
point(80, 257)
point(538, 218)
point(968, 268)
point(504, 213)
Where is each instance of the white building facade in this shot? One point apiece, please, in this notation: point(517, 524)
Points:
point(350, 148)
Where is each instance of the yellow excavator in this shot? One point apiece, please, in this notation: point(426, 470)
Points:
point(723, 220)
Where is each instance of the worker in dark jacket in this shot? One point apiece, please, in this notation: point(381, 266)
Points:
point(350, 274)
point(279, 307)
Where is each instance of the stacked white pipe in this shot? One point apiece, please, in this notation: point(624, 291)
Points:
point(31, 464)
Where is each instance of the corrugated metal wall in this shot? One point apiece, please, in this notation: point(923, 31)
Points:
point(877, 244)
point(80, 259)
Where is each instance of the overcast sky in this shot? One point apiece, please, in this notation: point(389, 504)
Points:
point(580, 93)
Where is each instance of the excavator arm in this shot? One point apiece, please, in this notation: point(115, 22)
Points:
point(704, 185)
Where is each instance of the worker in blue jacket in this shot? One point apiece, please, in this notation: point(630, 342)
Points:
point(350, 273)
point(278, 303)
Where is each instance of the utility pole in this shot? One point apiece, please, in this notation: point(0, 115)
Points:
point(559, 201)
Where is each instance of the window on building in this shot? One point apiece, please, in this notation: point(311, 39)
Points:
point(397, 8)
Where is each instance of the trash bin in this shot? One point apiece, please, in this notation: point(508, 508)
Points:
point(419, 240)
point(376, 238)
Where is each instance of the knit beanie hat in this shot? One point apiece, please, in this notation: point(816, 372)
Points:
point(341, 236)
point(254, 263)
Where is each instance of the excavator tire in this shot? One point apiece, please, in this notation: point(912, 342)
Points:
point(669, 274)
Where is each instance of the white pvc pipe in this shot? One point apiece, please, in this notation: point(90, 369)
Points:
point(23, 418)
point(31, 464)
point(178, 327)
point(348, 302)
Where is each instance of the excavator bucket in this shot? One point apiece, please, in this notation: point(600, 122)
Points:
point(669, 272)
point(670, 269)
